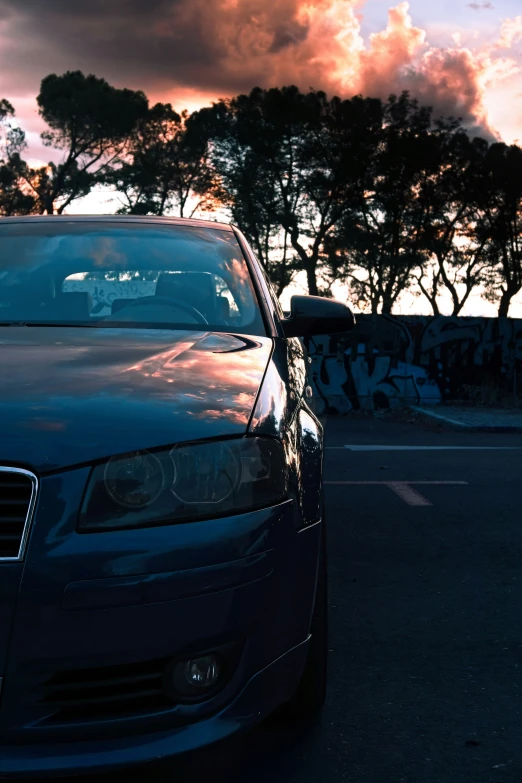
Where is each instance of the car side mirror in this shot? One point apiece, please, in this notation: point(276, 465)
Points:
point(311, 315)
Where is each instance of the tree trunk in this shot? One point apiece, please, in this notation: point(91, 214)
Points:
point(47, 203)
point(309, 262)
point(505, 302)
point(312, 281)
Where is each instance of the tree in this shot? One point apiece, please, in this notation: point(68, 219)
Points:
point(379, 242)
point(165, 168)
point(498, 197)
point(14, 198)
point(285, 160)
point(240, 187)
point(92, 122)
point(458, 249)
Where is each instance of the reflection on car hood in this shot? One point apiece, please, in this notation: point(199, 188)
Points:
point(70, 395)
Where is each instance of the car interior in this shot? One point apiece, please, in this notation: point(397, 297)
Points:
point(178, 297)
point(196, 289)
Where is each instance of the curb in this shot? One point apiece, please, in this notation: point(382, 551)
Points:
point(462, 426)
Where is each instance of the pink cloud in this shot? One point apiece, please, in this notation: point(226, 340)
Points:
point(191, 52)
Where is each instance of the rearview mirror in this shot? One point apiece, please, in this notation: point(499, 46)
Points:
point(311, 315)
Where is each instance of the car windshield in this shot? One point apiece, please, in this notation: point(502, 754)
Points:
point(133, 275)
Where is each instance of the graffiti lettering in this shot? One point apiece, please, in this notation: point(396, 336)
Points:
point(387, 361)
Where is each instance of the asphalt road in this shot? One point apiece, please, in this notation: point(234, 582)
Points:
point(426, 607)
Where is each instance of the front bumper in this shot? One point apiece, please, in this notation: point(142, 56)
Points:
point(262, 694)
point(99, 602)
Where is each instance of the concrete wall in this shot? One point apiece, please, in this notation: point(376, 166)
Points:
point(389, 361)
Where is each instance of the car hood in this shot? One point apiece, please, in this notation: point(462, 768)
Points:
point(70, 395)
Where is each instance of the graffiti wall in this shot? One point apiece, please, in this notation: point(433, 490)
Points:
point(389, 361)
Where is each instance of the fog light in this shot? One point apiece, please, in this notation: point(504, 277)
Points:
point(202, 672)
point(193, 679)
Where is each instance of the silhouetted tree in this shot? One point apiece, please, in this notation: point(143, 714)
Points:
point(498, 198)
point(92, 122)
point(458, 251)
point(379, 242)
point(241, 187)
point(165, 168)
point(14, 198)
point(286, 161)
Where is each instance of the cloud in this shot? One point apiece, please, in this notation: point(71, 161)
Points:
point(390, 52)
point(199, 50)
point(510, 33)
point(454, 82)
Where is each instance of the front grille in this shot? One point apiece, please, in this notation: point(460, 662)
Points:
point(17, 499)
point(106, 692)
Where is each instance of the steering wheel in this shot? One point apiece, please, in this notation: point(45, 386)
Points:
point(170, 302)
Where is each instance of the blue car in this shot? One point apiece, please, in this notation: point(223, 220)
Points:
point(163, 575)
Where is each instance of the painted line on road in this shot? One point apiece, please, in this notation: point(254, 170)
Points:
point(406, 492)
point(426, 448)
point(403, 489)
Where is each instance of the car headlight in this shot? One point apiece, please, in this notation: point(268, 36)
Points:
point(185, 483)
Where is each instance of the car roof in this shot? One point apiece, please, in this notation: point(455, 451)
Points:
point(118, 219)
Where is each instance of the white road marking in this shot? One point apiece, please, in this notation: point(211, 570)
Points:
point(373, 447)
point(403, 489)
point(380, 483)
point(406, 492)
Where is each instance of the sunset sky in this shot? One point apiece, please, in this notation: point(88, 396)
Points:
point(464, 57)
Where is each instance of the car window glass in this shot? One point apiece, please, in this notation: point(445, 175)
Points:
point(134, 275)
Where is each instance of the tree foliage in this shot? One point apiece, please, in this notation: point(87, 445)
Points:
point(91, 122)
point(380, 240)
point(498, 202)
point(285, 161)
point(165, 167)
point(14, 196)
